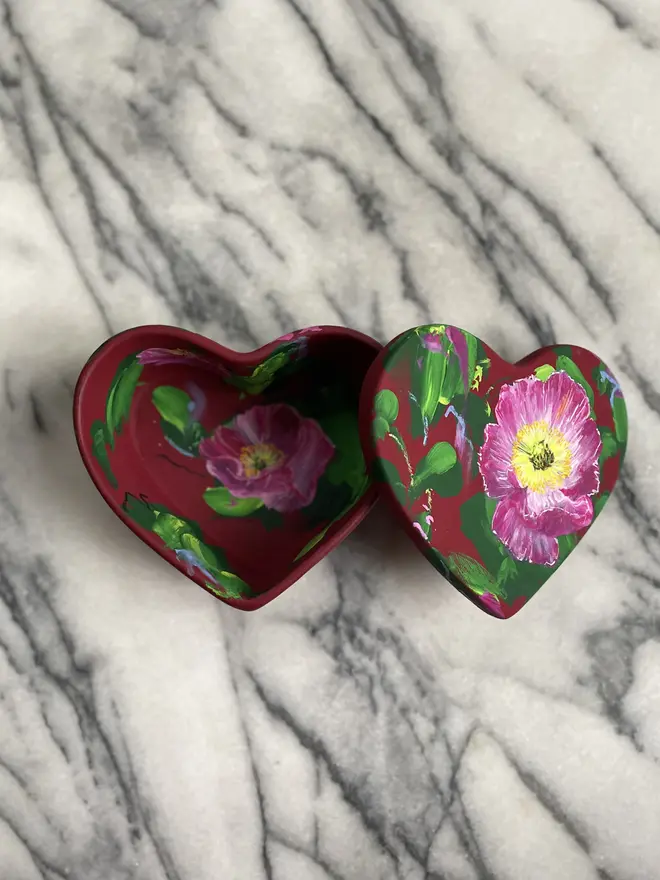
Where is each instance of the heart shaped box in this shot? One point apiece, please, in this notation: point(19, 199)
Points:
point(244, 470)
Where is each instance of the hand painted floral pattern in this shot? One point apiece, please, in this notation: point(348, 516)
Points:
point(271, 453)
point(540, 461)
point(498, 469)
point(291, 347)
point(268, 460)
point(184, 538)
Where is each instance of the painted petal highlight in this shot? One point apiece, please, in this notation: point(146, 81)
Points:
point(586, 445)
point(555, 513)
point(286, 482)
point(525, 544)
point(495, 462)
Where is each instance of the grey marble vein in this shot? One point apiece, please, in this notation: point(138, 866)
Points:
point(244, 169)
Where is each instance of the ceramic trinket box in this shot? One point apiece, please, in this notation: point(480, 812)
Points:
point(244, 470)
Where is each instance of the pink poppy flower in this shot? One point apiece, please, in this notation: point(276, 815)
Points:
point(540, 461)
point(269, 452)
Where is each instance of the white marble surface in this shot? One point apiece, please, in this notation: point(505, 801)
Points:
point(243, 169)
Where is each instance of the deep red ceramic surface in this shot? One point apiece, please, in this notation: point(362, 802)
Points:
point(496, 470)
point(242, 470)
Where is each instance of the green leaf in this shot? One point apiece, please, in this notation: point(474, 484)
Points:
point(476, 419)
point(120, 395)
point(312, 543)
point(476, 521)
point(434, 369)
point(330, 500)
point(447, 485)
point(483, 360)
point(405, 344)
point(186, 441)
point(567, 543)
point(348, 464)
point(528, 579)
point(523, 578)
point(438, 460)
point(507, 571)
point(230, 586)
point(610, 444)
point(600, 502)
point(213, 558)
point(600, 381)
point(321, 535)
point(174, 406)
point(606, 384)
point(264, 373)
point(380, 428)
point(452, 383)
point(472, 574)
point(620, 414)
point(426, 378)
point(490, 504)
point(544, 372)
point(100, 451)
point(175, 532)
point(472, 346)
point(386, 405)
point(271, 520)
point(139, 511)
point(388, 473)
point(171, 529)
point(569, 366)
point(223, 502)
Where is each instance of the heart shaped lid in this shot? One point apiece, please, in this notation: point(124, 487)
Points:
point(495, 470)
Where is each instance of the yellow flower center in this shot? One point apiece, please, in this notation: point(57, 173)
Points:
point(541, 457)
point(259, 457)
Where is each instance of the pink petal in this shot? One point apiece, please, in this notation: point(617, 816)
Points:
point(310, 459)
point(526, 543)
point(229, 471)
point(224, 442)
point(559, 401)
point(495, 462)
point(586, 445)
point(568, 404)
point(521, 403)
point(555, 513)
point(277, 423)
point(276, 490)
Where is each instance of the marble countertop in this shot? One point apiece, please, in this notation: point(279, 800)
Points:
point(243, 169)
